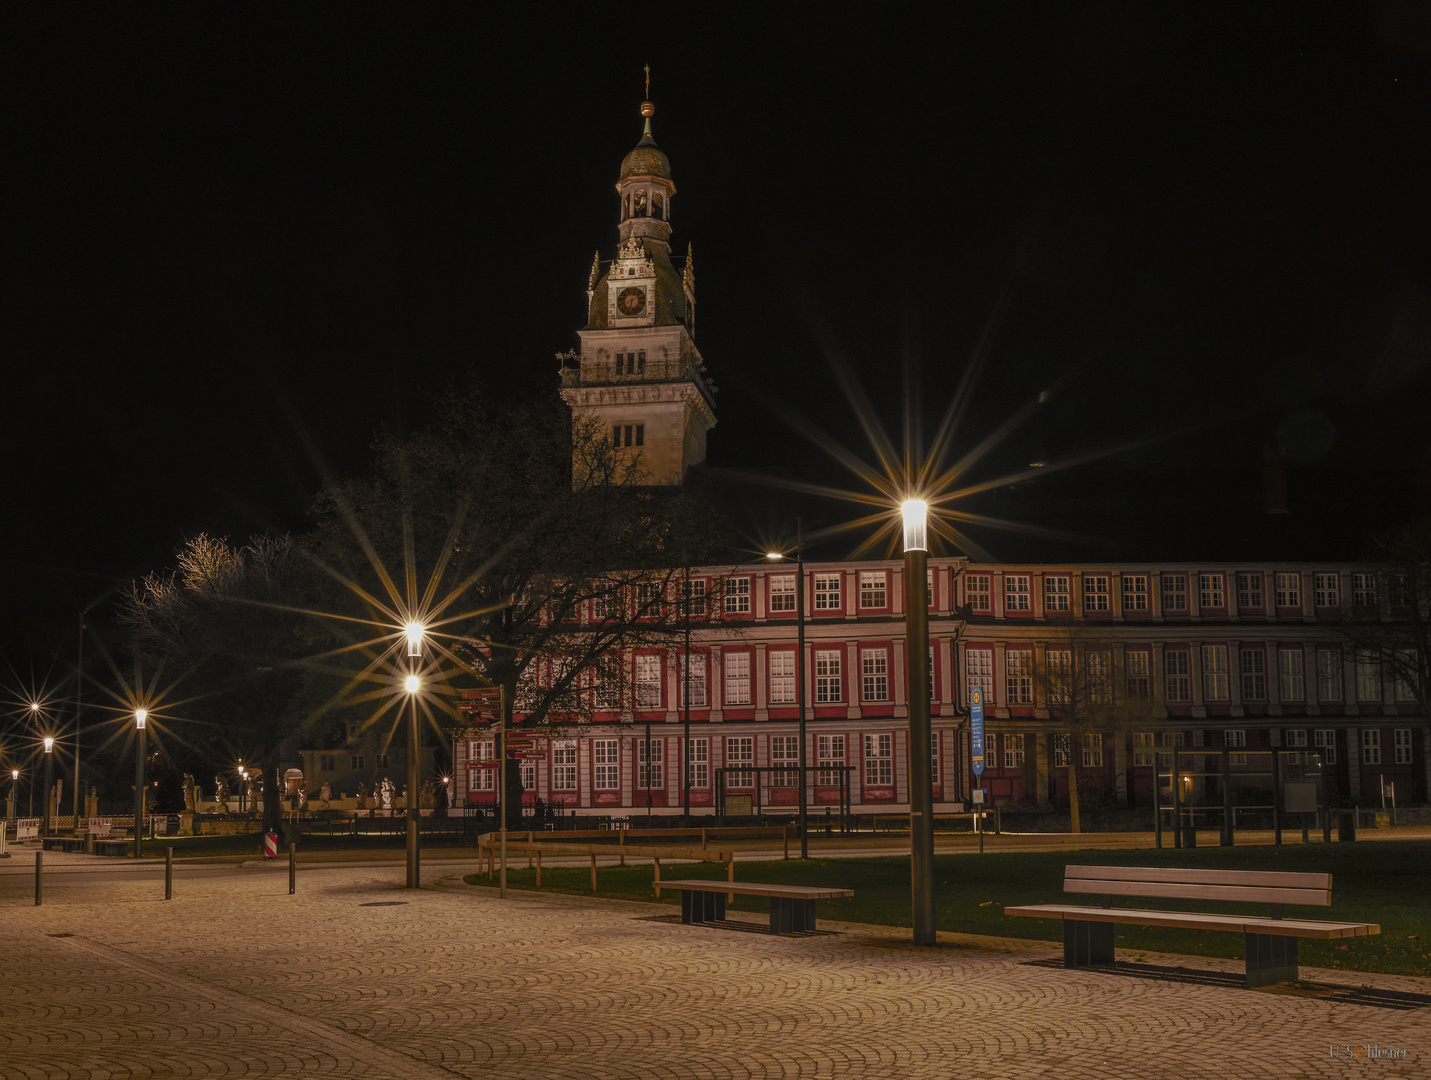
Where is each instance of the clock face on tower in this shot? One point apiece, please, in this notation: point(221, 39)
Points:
point(631, 301)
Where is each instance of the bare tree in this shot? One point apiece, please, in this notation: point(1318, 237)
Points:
point(1390, 620)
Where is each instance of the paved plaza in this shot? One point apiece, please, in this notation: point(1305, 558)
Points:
point(356, 976)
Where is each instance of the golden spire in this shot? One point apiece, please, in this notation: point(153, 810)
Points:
point(647, 109)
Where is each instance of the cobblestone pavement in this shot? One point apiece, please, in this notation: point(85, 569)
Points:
point(355, 976)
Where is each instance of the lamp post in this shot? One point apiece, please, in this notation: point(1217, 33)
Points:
point(14, 793)
point(49, 779)
point(243, 788)
point(79, 714)
point(141, 728)
point(412, 684)
point(800, 678)
point(921, 800)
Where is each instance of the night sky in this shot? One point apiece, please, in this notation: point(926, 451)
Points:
point(237, 236)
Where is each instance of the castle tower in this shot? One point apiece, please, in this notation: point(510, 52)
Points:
point(639, 373)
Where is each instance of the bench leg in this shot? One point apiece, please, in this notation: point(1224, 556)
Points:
point(1271, 958)
point(788, 914)
point(701, 907)
point(1086, 943)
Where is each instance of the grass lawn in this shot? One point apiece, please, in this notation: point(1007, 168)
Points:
point(252, 843)
point(1385, 883)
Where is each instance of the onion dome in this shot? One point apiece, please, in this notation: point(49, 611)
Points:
point(647, 159)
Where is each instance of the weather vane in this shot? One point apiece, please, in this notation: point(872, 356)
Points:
point(648, 81)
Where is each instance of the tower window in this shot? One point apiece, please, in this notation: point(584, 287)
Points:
point(658, 207)
point(628, 434)
point(641, 362)
point(640, 434)
point(625, 207)
point(638, 209)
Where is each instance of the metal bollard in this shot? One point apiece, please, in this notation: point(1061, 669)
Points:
point(39, 878)
point(169, 873)
point(292, 869)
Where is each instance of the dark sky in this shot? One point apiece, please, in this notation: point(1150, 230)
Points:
point(230, 230)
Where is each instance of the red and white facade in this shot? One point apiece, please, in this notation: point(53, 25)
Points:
point(1248, 656)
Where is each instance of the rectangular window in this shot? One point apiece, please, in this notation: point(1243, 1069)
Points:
point(829, 753)
point(782, 677)
point(1214, 673)
point(529, 775)
point(934, 756)
point(1399, 591)
point(1404, 673)
point(980, 664)
point(739, 750)
point(1095, 593)
point(1175, 592)
point(482, 779)
point(874, 675)
point(1013, 751)
point(380, 761)
point(1140, 683)
point(1249, 591)
point(1092, 750)
point(1364, 590)
point(607, 603)
point(699, 763)
point(1060, 751)
point(1210, 591)
point(1291, 685)
point(648, 600)
point(782, 593)
point(1144, 747)
point(1135, 592)
point(1325, 740)
point(1329, 675)
point(1254, 675)
point(1178, 686)
point(1289, 590)
point(932, 695)
point(1016, 592)
point(1370, 746)
point(564, 765)
point(1327, 590)
point(648, 682)
point(1058, 666)
point(785, 754)
point(1401, 739)
point(827, 675)
point(929, 589)
point(1055, 592)
point(874, 591)
point(1294, 737)
point(1235, 737)
point(1368, 678)
point(737, 678)
point(693, 598)
point(606, 686)
point(827, 592)
point(697, 684)
point(606, 764)
point(357, 764)
point(978, 592)
point(482, 750)
point(1099, 675)
point(879, 760)
point(651, 775)
point(1018, 681)
point(737, 596)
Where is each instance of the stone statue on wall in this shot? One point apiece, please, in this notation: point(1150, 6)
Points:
point(325, 795)
point(388, 790)
point(221, 795)
point(189, 792)
point(362, 795)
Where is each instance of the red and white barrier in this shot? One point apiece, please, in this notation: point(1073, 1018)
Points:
point(270, 845)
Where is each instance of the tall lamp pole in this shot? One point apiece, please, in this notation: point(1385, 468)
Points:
point(79, 714)
point(414, 771)
point(921, 799)
point(801, 754)
point(49, 780)
point(14, 793)
point(141, 724)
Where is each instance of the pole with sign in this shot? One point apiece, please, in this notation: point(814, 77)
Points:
point(976, 755)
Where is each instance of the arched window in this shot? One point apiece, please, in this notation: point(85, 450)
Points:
point(625, 207)
point(638, 209)
point(658, 206)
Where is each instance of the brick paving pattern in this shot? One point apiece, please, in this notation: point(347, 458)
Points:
point(236, 977)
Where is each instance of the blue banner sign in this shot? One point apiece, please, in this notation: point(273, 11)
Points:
point(976, 729)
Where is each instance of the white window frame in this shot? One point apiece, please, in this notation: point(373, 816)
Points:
point(693, 598)
point(1253, 663)
point(606, 764)
point(1364, 592)
point(1175, 592)
point(1249, 591)
point(782, 592)
point(879, 759)
point(648, 681)
point(785, 756)
point(1325, 740)
point(737, 596)
point(1144, 747)
point(874, 675)
point(1371, 746)
point(1212, 591)
point(564, 765)
point(1092, 750)
point(1177, 676)
point(828, 688)
point(1401, 742)
point(1403, 689)
point(1061, 744)
point(1016, 593)
point(1368, 679)
point(1138, 668)
point(1214, 673)
point(1096, 594)
point(1056, 594)
point(737, 678)
point(739, 752)
point(874, 590)
point(1291, 676)
point(935, 757)
point(697, 664)
point(651, 776)
point(1329, 675)
point(698, 763)
point(1289, 589)
point(1058, 669)
point(1013, 750)
point(782, 676)
point(1018, 677)
point(979, 592)
point(979, 671)
point(829, 754)
point(1294, 738)
point(1135, 592)
point(827, 592)
point(1327, 590)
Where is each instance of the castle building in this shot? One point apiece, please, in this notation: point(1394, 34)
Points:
point(639, 376)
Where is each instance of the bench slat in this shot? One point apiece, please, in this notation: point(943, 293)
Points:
point(799, 892)
point(1266, 878)
point(1310, 897)
point(1192, 920)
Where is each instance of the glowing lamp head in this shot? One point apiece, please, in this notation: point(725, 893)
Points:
point(916, 518)
point(14, 774)
point(141, 718)
point(34, 706)
point(412, 684)
point(414, 632)
point(49, 744)
point(774, 556)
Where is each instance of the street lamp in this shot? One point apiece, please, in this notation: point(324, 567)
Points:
point(14, 793)
point(141, 727)
point(799, 674)
point(49, 779)
point(412, 684)
point(921, 800)
point(243, 789)
point(414, 633)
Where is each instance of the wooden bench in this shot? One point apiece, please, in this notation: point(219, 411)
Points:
point(792, 907)
point(1271, 941)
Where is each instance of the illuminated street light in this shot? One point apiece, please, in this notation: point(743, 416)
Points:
point(415, 634)
point(776, 556)
point(49, 779)
point(14, 807)
point(413, 684)
point(921, 799)
point(141, 727)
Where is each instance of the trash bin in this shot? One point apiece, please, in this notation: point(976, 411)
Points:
point(1189, 836)
point(1346, 825)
